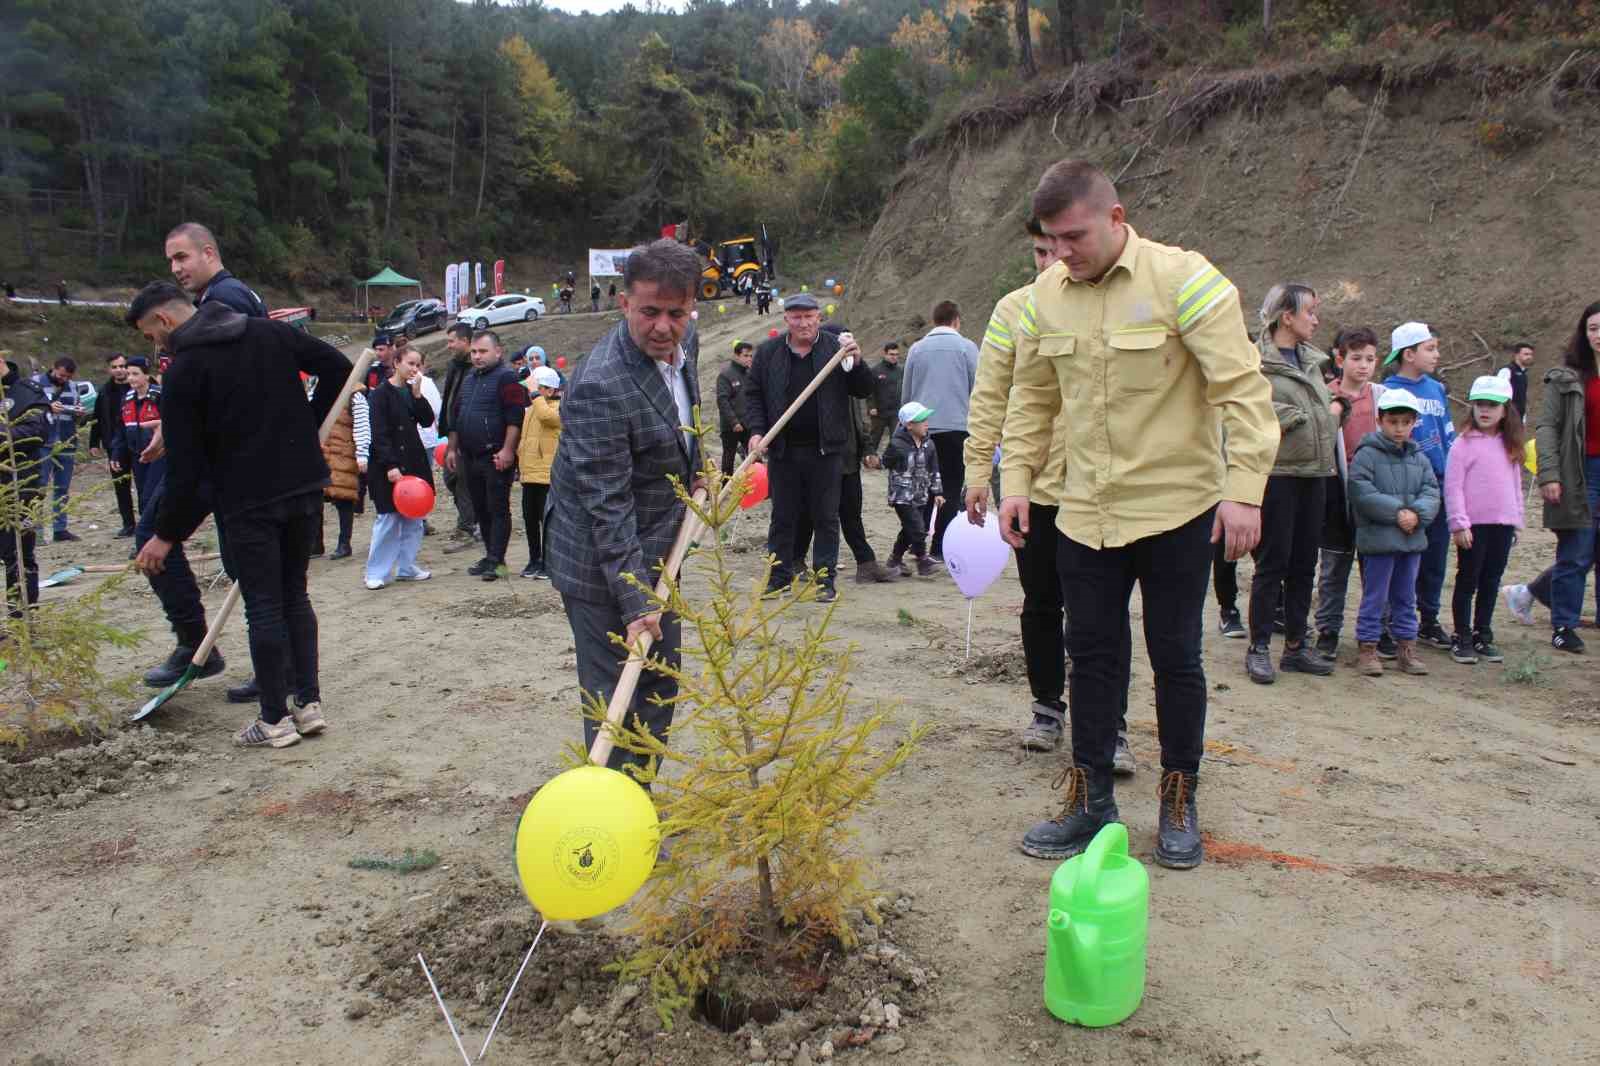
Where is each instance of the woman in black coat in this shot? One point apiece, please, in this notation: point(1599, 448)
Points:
point(396, 408)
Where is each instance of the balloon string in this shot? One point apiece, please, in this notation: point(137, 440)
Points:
point(968, 655)
point(443, 1009)
point(507, 1001)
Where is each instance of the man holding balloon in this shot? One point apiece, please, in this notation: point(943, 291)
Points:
point(613, 513)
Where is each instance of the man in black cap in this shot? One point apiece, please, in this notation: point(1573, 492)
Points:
point(805, 467)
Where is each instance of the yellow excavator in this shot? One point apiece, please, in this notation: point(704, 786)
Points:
point(737, 265)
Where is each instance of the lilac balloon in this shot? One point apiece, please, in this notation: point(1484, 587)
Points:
point(974, 555)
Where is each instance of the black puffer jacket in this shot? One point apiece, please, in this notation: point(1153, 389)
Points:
point(768, 384)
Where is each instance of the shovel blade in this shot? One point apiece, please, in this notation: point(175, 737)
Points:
point(61, 577)
point(155, 703)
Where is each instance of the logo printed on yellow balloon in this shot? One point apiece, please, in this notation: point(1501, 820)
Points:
point(586, 857)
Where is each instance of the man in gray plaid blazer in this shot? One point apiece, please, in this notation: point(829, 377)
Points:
point(612, 512)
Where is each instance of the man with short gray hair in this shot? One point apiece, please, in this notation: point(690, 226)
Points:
point(483, 445)
point(613, 514)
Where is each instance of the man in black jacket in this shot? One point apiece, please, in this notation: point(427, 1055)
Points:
point(234, 411)
point(107, 410)
point(25, 424)
point(805, 466)
point(730, 405)
point(458, 343)
point(483, 445)
point(197, 265)
point(886, 378)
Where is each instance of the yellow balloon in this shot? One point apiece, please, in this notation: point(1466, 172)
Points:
point(1530, 456)
point(830, 309)
point(722, 309)
point(587, 841)
point(805, 288)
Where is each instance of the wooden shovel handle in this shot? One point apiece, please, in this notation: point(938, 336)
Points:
point(691, 529)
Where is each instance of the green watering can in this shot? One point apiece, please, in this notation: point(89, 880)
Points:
point(1095, 940)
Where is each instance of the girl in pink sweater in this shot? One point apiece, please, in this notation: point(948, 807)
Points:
point(1483, 499)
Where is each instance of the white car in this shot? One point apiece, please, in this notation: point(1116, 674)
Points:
point(498, 310)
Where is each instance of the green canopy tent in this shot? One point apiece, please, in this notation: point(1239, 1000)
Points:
point(385, 277)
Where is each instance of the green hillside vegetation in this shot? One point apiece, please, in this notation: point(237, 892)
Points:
point(325, 138)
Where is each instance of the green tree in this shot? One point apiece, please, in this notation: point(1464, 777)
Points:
point(657, 133)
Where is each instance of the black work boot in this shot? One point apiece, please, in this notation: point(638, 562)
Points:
point(176, 663)
point(1090, 804)
point(1178, 844)
point(248, 692)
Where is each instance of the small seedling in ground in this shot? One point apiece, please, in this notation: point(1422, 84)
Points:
point(409, 863)
point(1528, 669)
point(907, 618)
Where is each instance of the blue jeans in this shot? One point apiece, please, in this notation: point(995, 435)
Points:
point(396, 540)
point(1388, 581)
point(1574, 560)
point(60, 476)
point(1431, 571)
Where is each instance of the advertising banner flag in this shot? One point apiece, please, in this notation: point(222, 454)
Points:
point(464, 285)
point(479, 286)
point(499, 277)
point(450, 289)
point(607, 262)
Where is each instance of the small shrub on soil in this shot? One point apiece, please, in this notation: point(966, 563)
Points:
point(768, 767)
point(411, 862)
point(1527, 669)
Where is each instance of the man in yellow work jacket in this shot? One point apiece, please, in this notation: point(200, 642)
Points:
point(1141, 351)
point(1042, 622)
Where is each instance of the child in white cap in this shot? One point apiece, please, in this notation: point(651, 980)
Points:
point(1394, 495)
point(914, 483)
point(1483, 497)
point(1413, 357)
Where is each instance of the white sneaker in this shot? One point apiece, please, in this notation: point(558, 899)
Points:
point(1519, 601)
point(259, 734)
point(308, 720)
point(373, 585)
point(415, 575)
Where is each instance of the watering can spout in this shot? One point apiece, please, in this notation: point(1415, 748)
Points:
point(1078, 946)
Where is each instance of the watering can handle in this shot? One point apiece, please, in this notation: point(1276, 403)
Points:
point(1112, 839)
point(691, 529)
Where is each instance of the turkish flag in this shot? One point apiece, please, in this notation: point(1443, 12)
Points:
point(669, 232)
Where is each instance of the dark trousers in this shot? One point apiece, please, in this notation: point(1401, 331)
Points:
point(804, 483)
point(855, 534)
point(346, 510)
point(881, 424)
point(122, 484)
point(1431, 571)
point(457, 488)
point(913, 536)
point(1171, 569)
point(491, 501)
point(269, 548)
point(1286, 558)
point(947, 445)
point(175, 586)
point(1224, 576)
point(1478, 573)
point(1540, 586)
point(10, 540)
point(733, 446)
point(1044, 635)
point(533, 497)
point(600, 664)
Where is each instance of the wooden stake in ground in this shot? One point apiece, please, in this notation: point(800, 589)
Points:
point(192, 671)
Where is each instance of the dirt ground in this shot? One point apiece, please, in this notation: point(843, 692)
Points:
point(1401, 870)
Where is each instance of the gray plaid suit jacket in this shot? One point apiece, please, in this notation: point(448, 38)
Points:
point(612, 510)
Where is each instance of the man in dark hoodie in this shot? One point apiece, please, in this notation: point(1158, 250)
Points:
point(24, 425)
point(483, 445)
point(234, 410)
point(459, 344)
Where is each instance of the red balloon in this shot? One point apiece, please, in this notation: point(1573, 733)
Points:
point(772, 333)
point(561, 362)
point(413, 497)
point(756, 488)
point(438, 453)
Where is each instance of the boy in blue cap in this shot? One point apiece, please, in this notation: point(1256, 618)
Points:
point(1413, 357)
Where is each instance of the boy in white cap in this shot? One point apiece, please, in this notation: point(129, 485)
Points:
point(913, 467)
point(1413, 357)
point(1395, 495)
point(1483, 495)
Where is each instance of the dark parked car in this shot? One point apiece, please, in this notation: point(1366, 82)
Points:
point(415, 316)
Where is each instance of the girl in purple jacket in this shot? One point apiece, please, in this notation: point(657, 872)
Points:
point(1483, 497)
